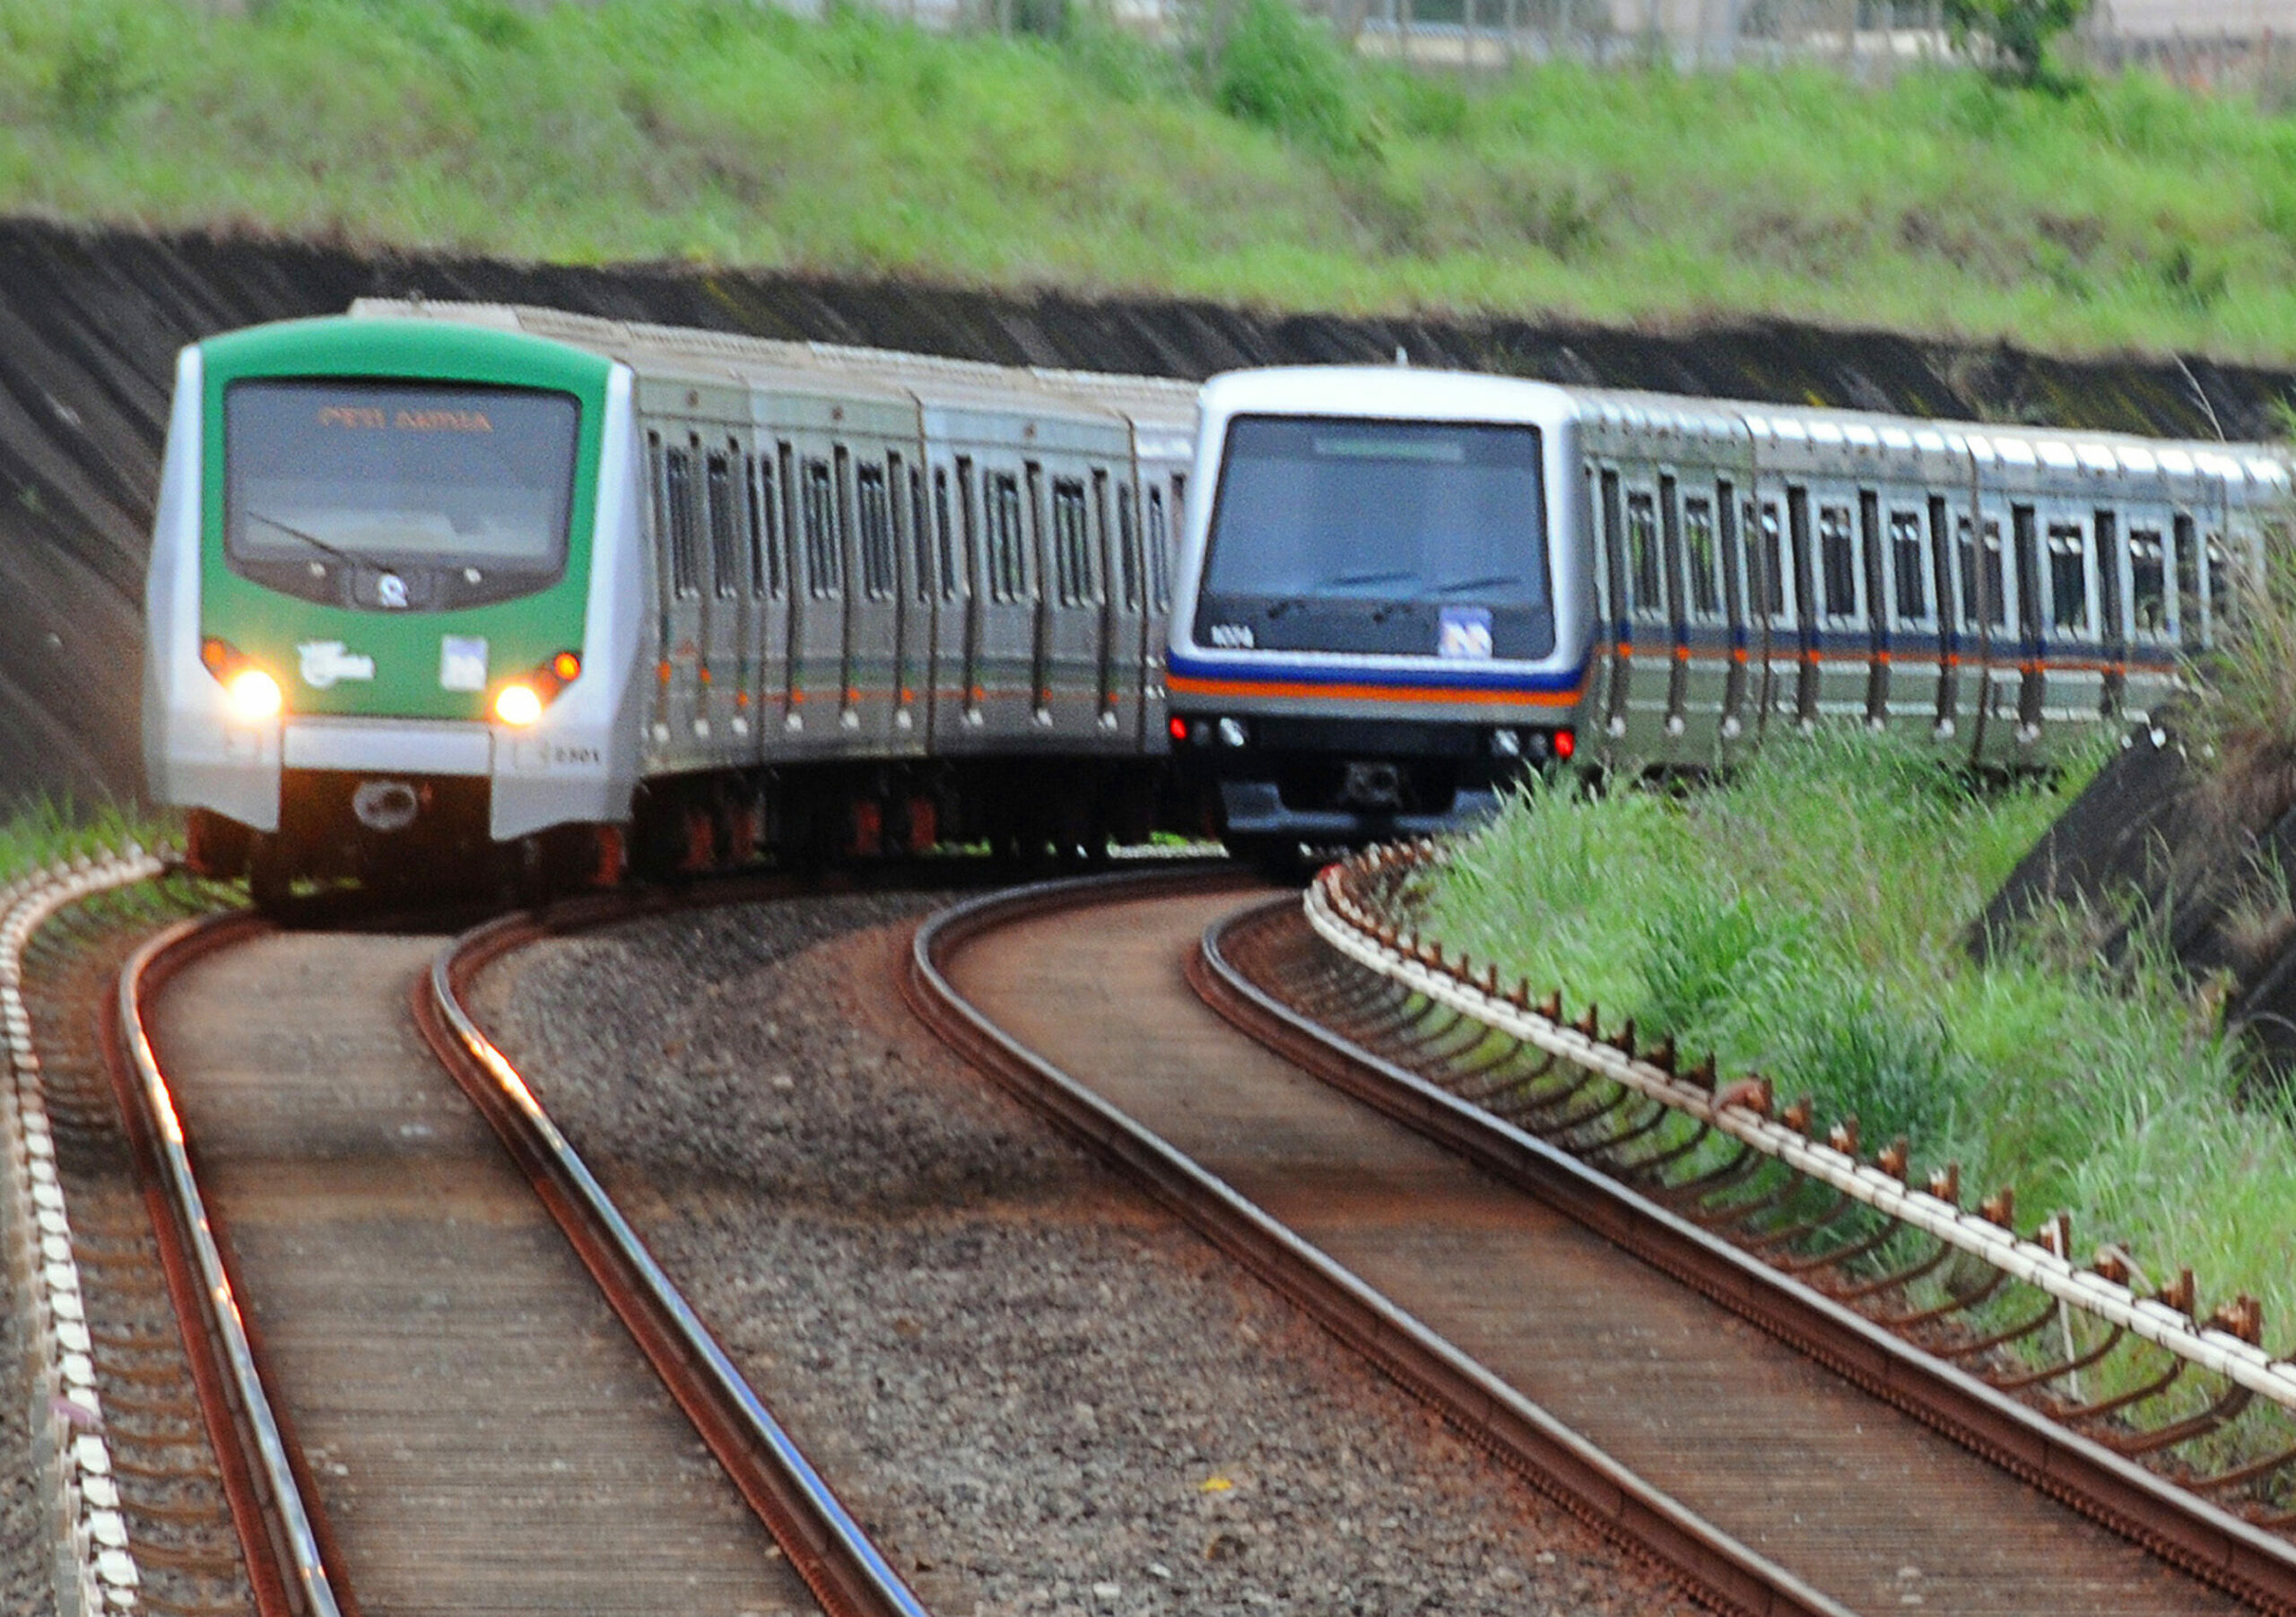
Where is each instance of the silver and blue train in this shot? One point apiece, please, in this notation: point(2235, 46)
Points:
point(510, 590)
point(1399, 587)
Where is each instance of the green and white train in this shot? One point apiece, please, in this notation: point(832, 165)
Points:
point(504, 588)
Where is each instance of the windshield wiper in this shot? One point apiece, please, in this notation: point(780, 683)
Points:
point(1352, 580)
point(1484, 583)
point(351, 557)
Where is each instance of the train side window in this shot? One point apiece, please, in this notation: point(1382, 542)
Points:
point(2068, 576)
point(765, 529)
point(2188, 557)
point(1773, 579)
point(823, 571)
point(1159, 550)
point(877, 560)
point(726, 545)
point(1072, 542)
point(1908, 568)
point(944, 535)
point(1127, 544)
point(1698, 541)
point(1733, 587)
point(1983, 585)
point(1646, 585)
point(920, 530)
point(1940, 553)
point(1838, 562)
point(2221, 604)
point(2148, 584)
point(1008, 573)
point(679, 495)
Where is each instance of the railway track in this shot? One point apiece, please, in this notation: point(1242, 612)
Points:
point(1764, 1481)
point(395, 1382)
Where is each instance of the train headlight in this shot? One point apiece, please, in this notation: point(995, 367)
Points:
point(1231, 732)
point(518, 705)
point(254, 695)
point(1506, 743)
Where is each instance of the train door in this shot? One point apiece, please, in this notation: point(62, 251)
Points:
point(1079, 697)
point(1801, 545)
point(1121, 582)
point(2149, 565)
point(727, 670)
point(2112, 558)
point(2024, 539)
point(1743, 634)
point(1617, 632)
point(1872, 552)
point(1776, 613)
point(916, 674)
point(680, 728)
point(2071, 655)
point(866, 469)
point(1983, 579)
point(1159, 522)
point(816, 625)
point(1842, 638)
point(1907, 600)
point(1948, 718)
point(1702, 655)
point(1646, 659)
point(767, 641)
point(1007, 673)
point(955, 520)
point(1676, 644)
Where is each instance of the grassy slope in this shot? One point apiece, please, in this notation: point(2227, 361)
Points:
point(47, 831)
point(1806, 920)
point(2129, 216)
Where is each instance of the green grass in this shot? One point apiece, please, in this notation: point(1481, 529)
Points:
point(1806, 919)
point(46, 829)
point(2128, 215)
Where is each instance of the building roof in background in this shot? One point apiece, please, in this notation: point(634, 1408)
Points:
point(2197, 18)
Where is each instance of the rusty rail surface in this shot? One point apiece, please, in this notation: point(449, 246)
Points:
point(2175, 1429)
point(825, 1544)
point(289, 1554)
point(1716, 1567)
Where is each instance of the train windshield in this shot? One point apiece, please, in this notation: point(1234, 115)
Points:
point(1379, 536)
point(396, 496)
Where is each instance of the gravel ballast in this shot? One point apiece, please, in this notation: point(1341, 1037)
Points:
point(1041, 1392)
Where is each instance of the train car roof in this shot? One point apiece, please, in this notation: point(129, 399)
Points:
point(1147, 401)
point(2055, 448)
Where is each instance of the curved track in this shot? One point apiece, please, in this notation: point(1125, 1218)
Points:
point(1762, 1479)
point(482, 1433)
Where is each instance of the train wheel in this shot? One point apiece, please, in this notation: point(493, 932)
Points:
point(270, 877)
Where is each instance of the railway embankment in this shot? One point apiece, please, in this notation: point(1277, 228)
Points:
point(90, 322)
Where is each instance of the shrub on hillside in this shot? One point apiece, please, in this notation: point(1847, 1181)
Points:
point(2017, 32)
point(1275, 67)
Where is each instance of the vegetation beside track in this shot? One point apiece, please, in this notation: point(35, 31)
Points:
point(1806, 919)
point(1284, 172)
point(46, 829)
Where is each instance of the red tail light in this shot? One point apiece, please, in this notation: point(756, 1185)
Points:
point(1565, 743)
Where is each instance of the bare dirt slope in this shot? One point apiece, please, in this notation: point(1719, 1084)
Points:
point(91, 321)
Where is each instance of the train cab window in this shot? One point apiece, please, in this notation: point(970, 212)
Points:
point(2149, 612)
point(878, 563)
point(1983, 579)
point(1128, 545)
point(1008, 570)
point(1159, 550)
point(1703, 559)
point(1644, 581)
point(1909, 569)
point(679, 497)
point(726, 512)
point(2068, 577)
point(1838, 564)
point(765, 529)
point(823, 563)
point(1072, 542)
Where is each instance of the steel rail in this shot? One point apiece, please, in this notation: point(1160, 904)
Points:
point(826, 1546)
point(1550, 1455)
point(290, 1562)
point(2240, 1555)
point(1343, 923)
